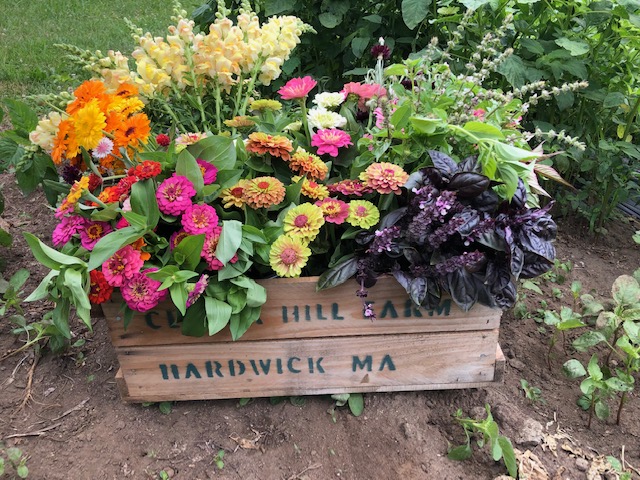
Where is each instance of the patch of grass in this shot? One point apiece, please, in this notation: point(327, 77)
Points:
point(29, 62)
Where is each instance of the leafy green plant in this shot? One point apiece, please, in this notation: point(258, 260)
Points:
point(616, 325)
point(13, 460)
point(217, 459)
point(355, 402)
point(567, 319)
point(533, 394)
point(485, 432)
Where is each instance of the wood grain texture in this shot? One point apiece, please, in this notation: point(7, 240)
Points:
point(295, 310)
point(374, 363)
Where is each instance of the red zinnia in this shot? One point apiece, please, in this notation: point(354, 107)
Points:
point(100, 291)
point(147, 169)
point(163, 140)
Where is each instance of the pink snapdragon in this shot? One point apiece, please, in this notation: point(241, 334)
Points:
point(174, 195)
point(329, 140)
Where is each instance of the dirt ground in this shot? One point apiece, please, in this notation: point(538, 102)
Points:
point(75, 425)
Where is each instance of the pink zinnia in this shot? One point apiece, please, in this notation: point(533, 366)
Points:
point(141, 292)
point(176, 238)
point(174, 194)
point(209, 171)
point(329, 140)
point(198, 289)
point(385, 177)
point(334, 210)
point(209, 251)
point(122, 266)
point(66, 229)
point(297, 88)
point(92, 232)
point(364, 92)
point(350, 187)
point(199, 218)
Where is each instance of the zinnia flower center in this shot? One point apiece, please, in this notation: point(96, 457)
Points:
point(236, 192)
point(361, 211)
point(289, 256)
point(94, 231)
point(263, 185)
point(300, 221)
point(199, 219)
point(172, 193)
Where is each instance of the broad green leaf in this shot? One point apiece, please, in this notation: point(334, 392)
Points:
point(48, 256)
point(509, 176)
point(329, 20)
point(215, 149)
point(426, 125)
point(414, 12)
point(510, 153)
point(74, 282)
point(275, 7)
point(23, 117)
point(614, 383)
point(514, 71)
point(530, 285)
point(165, 407)
point(17, 279)
point(230, 240)
point(575, 47)
point(194, 322)
point(474, 4)
point(240, 322)
point(136, 220)
point(359, 45)
point(463, 452)
point(400, 118)
point(508, 455)
point(626, 291)
point(602, 410)
point(588, 340)
point(397, 69)
point(60, 317)
point(178, 294)
point(218, 314)
point(189, 250)
point(42, 290)
point(574, 369)
point(614, 100)
point(107, 214)
point(483, 130)
point(143, 202)
point(356, 404)
point(594, 369)
point(187, 166)
point(111, 243)
point(338, 274)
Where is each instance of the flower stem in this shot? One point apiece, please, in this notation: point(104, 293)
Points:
point(305, 123)
point(218, 109)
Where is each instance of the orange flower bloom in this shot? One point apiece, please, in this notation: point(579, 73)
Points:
point(263, 192)
point(240, 122)
point(133, 131)
point(126, 90)
point(139, 245)
point(276, 145)
point(308, 164)
point(234, 196)
point(85, 93)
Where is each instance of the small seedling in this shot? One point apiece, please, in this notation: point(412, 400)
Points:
point(218, 459)
point(533, 394)
point(355, 401)
point(485, 432)
point(15, 460)
point(163, 475)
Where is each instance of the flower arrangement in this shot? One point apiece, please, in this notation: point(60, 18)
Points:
point(185, 182)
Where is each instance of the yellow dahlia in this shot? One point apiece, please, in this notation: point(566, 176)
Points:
point(304, 221)
point(288, 255)
point(263, 192)
point(363, 213)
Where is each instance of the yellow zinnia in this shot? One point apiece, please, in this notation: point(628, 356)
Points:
point(88, 123)
point(304, 221)
point(363, 213)
point(288, 255)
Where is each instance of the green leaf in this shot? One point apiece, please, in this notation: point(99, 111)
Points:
point(614, 100)
point(356, 404)
point(218, 150)
point(48, 256)
point(17, 279)
point(574, 369)
point(625, 291)
point(426, 125)
point(400, 118)
point(230, 240)
point(189, 250)
point(414, 12)
point(42, 290)
point(359, 45)
point(178, 294)
point(532, 45)
point(275, 7)
point(22, 116)
point(575, 47)
point(588, 340)
point(595, 372)
point(187, 166)
point(510, 153)
point(329, 20)
point(194, 322)
point(111, 243)
point(509, 176)
point(530, 285)
point(165, 407)
point(338, 274)
point(240, 322)
point(60, 317)
point(483, 130)
point(136, 220)
point(509, 456)
point(218, 314)
point(463, 452)
point(143, 202)
point(602, 410)
point(570, 324)
point(616, 384)
point(474, 4)
point(514, 71)
point(73, 280)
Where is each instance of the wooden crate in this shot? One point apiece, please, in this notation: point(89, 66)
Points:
point(307, 343)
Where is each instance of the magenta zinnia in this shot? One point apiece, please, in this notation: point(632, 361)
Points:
point(209, 171)
point(263, 192)
point(66, 229)
point(304, 222)
point(122, 266)
point(92, 232)
point(385, 177)
point(174, 195)
point(209, 251)
point(329, 140)
point(334, 210)
point(297, 88)
point(199, 218)
point(363, 213)
point(288, 255)
point(141, 292)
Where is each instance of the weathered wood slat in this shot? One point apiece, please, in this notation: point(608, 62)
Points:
point(375, 363)
point(295, 310)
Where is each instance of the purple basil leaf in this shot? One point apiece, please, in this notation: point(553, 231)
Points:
point(462, 289)
point(403, 278)
point(468, 184)
point(534, 244)
point(469, 164)
point(416, 180)
point(471, 220)
point(486, 201)
point(443, 162)
point(392, 217)
point(519, 199)
point(418, 290)
point(338, 274)
point(535, 265)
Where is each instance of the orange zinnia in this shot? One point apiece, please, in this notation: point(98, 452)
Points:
point(276, 145)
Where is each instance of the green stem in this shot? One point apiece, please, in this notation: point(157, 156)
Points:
point(252, 82)
point(305, 123)
point(629, 120)
point(218, 108)
point(171, 113)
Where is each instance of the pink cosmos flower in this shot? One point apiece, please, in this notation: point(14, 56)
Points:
point(103, 149)
point(199, 218)
point(122, 266)
point(92, 232)
point(174, 195)
point(297, 88)
point(209, 251)
point(141, 292)
point(66, 229)
point(334, 210)
point(329, 140)
point(209, 171)
point(198, 289)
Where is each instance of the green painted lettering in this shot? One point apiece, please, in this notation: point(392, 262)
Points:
point(444, 307)
point(319, 312)
point(362, 364)
point(265, 366)
point(307, 313)
point(232, 368)
point(279, 366)
point(254, 367)
point(285, 315)
point(334, 312)
point(164, 371)
point(296, 314)
point(387, 362)
point(192, 370)
point(148, 318)
point(172, 321)
point(174, 371)
point(411, 309)
point(210, 370)
point(388, 309)
point(318, 366)
point(290, 365)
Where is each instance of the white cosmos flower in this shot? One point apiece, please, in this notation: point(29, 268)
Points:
point(322, 118)
point(329, 99)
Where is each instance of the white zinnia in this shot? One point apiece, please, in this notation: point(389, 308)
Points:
point(329, 99)
point(322, 118)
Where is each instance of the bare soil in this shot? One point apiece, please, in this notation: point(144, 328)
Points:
point(75, 426)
